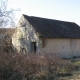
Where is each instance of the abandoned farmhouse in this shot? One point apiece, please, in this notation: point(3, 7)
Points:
point(41, 35)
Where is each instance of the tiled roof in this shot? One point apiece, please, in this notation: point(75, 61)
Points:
point(8, 31)
point(50, 28)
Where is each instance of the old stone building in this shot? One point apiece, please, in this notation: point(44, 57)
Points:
point(41, 35)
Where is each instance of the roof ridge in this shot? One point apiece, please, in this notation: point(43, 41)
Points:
point(50, 28)
point(46, 18)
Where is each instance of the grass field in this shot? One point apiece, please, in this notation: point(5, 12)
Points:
point(75, 72)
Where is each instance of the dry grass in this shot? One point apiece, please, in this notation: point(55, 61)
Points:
point(33, 66)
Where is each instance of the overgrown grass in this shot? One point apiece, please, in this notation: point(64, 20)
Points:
point(75, 61)
point(37, 66)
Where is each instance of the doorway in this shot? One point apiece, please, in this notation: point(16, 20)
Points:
point(33, 46)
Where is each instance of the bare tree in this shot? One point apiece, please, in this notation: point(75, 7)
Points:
point(7, 20)
point(6, 15)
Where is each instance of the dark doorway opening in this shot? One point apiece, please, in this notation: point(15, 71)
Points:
point(33, 46)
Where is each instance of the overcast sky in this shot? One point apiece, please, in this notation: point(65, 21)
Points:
point(66, 10)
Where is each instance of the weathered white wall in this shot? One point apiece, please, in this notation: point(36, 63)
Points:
point(16, 39)
point(32, 36)
point(19, 35)
point(62, 47)
point(24, 35)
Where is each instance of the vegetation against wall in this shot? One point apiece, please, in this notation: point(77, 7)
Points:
point(34, 67)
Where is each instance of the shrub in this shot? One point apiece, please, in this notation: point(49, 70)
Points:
point(32, 66)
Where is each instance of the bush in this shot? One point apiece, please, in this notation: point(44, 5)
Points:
point(32, 66)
